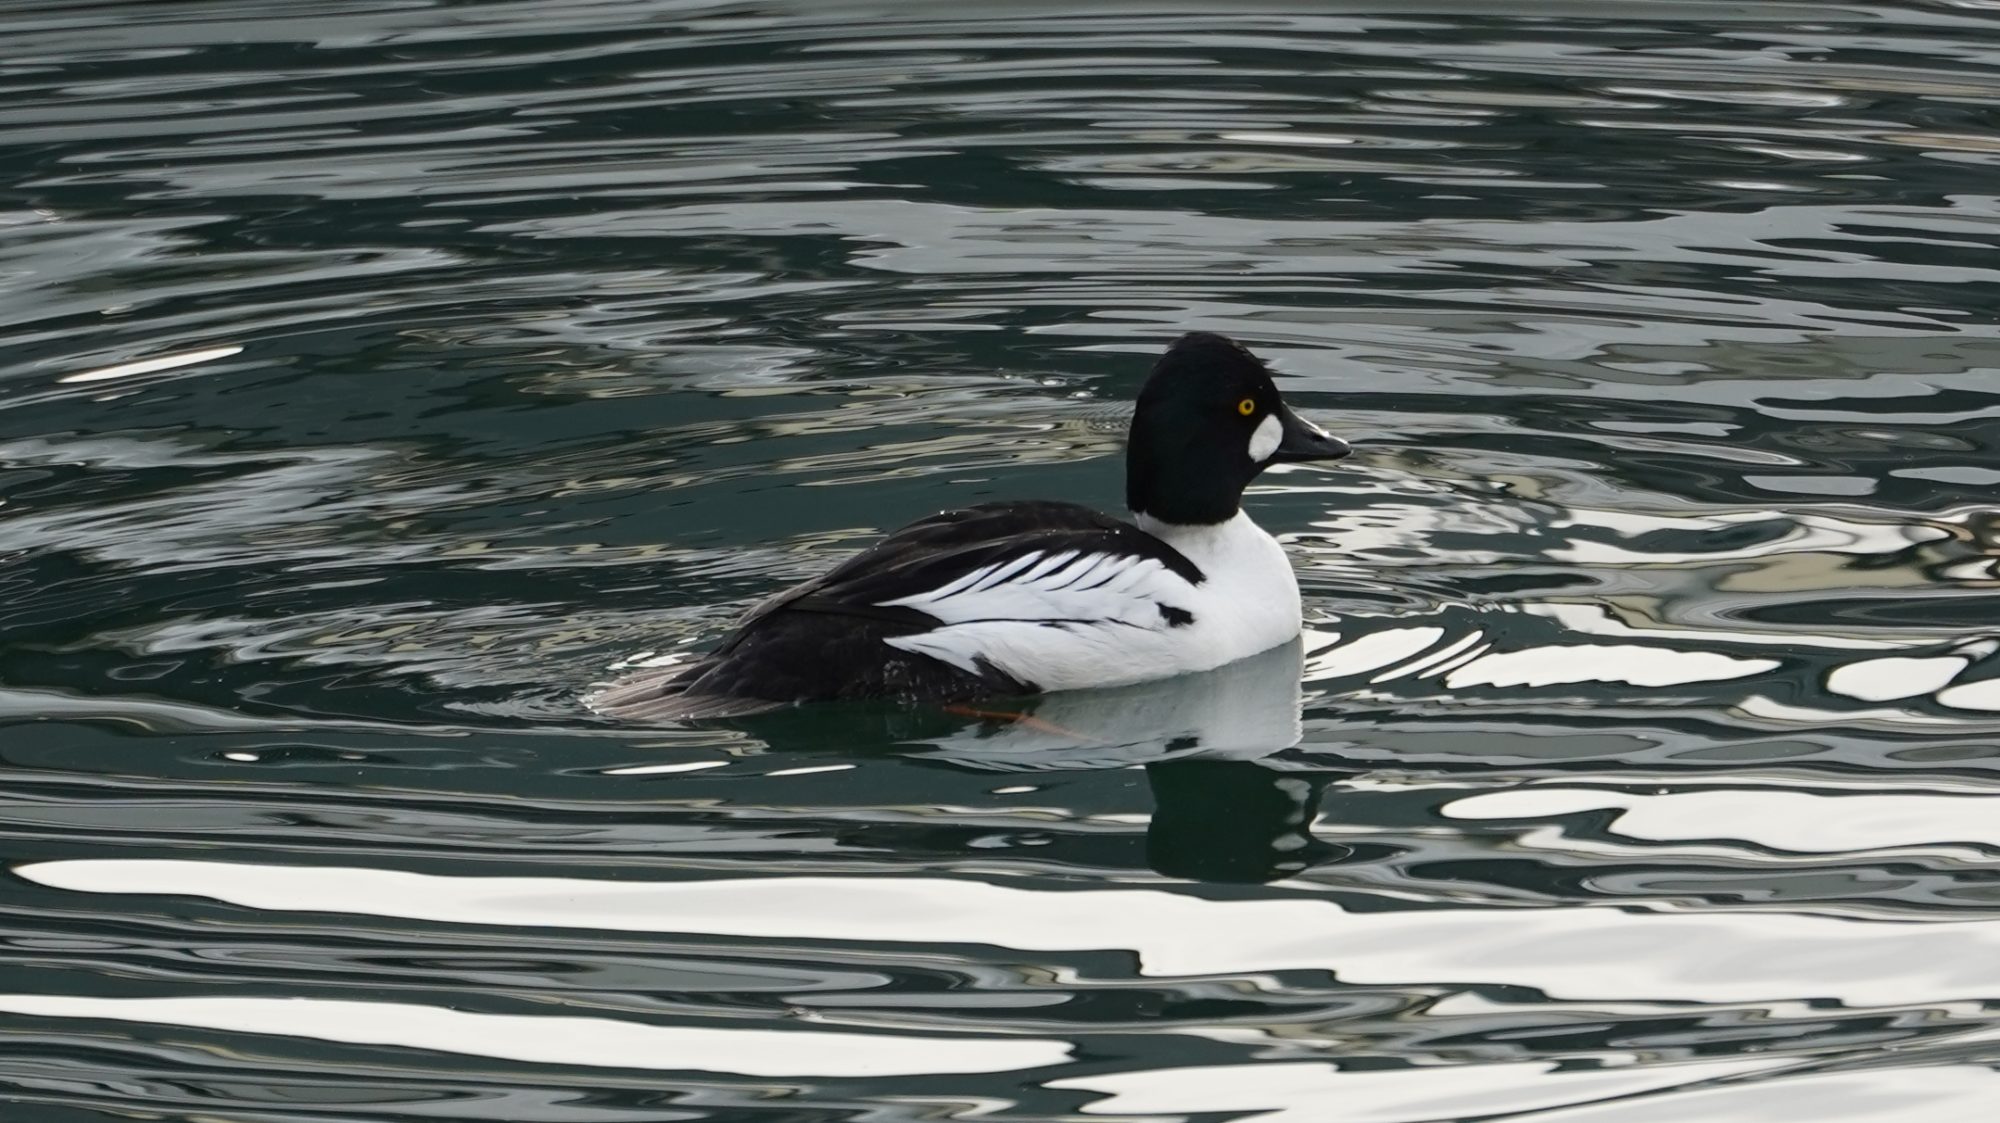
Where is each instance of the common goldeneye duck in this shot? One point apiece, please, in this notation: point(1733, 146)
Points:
point(1028, 596)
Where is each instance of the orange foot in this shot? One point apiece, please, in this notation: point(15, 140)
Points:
point(1016, 716)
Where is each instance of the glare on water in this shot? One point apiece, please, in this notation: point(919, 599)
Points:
point(377, 378)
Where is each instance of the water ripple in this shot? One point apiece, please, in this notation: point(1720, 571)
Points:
point(377, 379)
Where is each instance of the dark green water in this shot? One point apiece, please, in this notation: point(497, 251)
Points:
point(1642, 769)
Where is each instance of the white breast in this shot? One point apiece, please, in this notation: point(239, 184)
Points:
point(1250, 601)
point(1069, 621)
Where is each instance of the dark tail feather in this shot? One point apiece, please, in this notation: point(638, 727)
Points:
point(661, 694)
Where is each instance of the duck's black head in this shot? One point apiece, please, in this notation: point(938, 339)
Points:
point(1208, 421)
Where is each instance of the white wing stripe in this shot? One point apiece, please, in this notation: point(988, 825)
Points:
point(962, 584)
point(1048, 568)
point(1035, 587)
point(1080, 570)
point(1004, 571)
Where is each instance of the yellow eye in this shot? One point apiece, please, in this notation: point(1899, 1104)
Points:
point(1247, 406)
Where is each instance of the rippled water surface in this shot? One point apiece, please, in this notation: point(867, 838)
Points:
point(378, 375)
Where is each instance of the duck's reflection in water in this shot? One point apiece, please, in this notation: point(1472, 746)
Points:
point(1246, 710)
point(1223, 811)
point(1220, 814)
point(1234, 821)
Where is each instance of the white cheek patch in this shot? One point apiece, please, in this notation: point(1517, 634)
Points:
point(1264, 441)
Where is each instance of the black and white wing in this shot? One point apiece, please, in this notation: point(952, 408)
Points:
point(1026, 589)
point(1003, 598)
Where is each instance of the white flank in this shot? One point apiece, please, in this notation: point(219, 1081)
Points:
point(1057, 622)
point(1007, 614)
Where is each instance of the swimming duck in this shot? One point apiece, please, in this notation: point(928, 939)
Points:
point(1021, 597)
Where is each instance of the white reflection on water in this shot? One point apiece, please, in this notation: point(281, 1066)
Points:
point(151, 366)
point(1953, 1094)
point(1801, 821)
point(564, 1040)
point(1309, 1093)
point(1312, 1093)
point(1567, 953)
point(1555, 664)
point(1243, 710)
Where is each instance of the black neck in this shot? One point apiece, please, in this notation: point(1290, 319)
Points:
point(1193, 484)
point(1186, 460)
